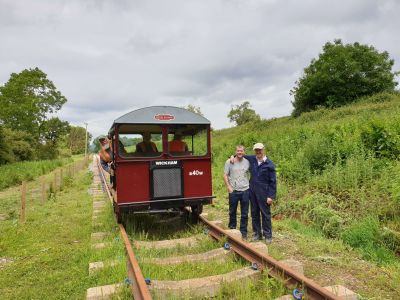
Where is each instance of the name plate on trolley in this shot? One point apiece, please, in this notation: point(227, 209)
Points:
point(165, 163)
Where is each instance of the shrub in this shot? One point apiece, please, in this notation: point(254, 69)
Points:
point(379, 140)
point(363, 233)
point(327, 220)
point(317, 153)
point(391, 240)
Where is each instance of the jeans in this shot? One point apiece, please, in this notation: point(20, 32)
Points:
point(259, 207)
point(234, 198)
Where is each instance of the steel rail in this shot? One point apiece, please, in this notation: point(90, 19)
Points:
point(138, 287)
point(275, 268)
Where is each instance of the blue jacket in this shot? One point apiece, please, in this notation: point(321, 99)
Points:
point(263, 177)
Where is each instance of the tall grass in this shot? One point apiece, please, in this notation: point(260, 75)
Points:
point(335, 166)
point(15, 173)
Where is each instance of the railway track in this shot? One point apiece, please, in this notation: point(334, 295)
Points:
point(258, 259)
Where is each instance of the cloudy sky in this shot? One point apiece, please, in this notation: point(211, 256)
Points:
point(110, 57)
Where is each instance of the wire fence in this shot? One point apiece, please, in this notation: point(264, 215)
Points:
point(16, 202)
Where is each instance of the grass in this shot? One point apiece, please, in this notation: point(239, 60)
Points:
point(190, 270)
point(205, 244)
point(158, 227)
point(261, 288)
point(150, 228)
point(335, 166)
point(10, 198)
point(50, 253)
point(338, 189)
point(15, 173)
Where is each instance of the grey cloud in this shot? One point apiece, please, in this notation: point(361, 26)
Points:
point(110, 57)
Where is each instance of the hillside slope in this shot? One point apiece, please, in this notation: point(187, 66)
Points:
point(338, 170)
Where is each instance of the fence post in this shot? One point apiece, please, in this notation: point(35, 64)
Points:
point(43, 190)
point(61, 178)
point(55, 181)
point(23, 202)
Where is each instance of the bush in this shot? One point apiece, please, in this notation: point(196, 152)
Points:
point(363, 233)
point(327, 220)
point(374, 242)
point(380, 141)
point(316, 208)
point(317, 153)
point(391, 240)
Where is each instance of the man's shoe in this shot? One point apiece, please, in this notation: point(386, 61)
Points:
point(256, 238)
point(268, 241)
point(231, 227)
point(244, 237)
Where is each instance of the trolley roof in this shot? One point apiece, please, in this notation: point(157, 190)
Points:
point(161, 115)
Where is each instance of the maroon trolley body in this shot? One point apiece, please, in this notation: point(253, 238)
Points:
point(149, 174)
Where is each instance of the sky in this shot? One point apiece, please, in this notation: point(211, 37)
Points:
point(110, 57)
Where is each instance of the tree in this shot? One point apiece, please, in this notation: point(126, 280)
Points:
point(341, 74)
point(6, 154)
point(54, 130)
point(27, 100)
point(76, 139)
point(15, 145)
point(194, 109)
point(243, 113)
point(20, 143)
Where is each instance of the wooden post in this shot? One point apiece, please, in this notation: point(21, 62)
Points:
point(55, 181)
point(23, 203)
point(61, 178)
point(43, 190)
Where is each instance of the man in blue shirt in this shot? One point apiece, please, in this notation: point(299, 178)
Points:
point(262, 192)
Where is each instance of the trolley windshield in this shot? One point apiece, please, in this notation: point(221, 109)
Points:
point(186, 140)
point(140, 141)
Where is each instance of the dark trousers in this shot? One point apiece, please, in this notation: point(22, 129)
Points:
point(259, 207)
point(234, 198)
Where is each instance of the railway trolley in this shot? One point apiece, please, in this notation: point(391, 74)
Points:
point(162, 161)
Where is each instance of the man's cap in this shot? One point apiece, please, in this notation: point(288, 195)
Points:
point(258, 146)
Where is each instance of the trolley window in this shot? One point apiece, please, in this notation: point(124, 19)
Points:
point(140, 140)
point(184, 140)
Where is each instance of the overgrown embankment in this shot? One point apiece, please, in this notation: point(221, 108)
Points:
point(339, 171)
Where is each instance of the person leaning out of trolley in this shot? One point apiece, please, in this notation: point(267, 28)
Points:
point(262, 192)
point(237, 182)
point(106, 157)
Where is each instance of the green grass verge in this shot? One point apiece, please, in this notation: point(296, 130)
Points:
point(51, 252)
point(190, 270)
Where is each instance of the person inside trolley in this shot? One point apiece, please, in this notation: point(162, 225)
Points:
point(177, 145)
point(146, 146)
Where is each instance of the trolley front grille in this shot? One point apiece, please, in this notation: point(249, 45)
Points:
point(167, 183)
